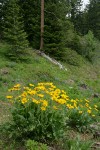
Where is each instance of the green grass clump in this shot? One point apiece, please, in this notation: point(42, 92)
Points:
point(77, 144)
point(34, 145)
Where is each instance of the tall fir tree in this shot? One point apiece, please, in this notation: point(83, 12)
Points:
point(1, 5)
point(75, 8)
point(55, 22)
point(42, 25)
point(14, 32)
point(82, 23)
point(31, 12)
point(93, 17)
point(75, 13)
point(2, 13)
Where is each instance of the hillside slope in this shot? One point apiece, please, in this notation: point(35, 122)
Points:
point(81, 81)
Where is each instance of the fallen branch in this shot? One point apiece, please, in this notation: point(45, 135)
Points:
point(51, 59)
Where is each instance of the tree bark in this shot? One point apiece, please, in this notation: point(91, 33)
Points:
point(42, 24)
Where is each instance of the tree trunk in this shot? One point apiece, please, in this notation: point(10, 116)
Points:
point(42, 24)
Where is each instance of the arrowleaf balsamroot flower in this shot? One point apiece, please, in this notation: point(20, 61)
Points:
point(48, 95)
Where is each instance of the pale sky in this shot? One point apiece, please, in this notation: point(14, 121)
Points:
point(85, 2)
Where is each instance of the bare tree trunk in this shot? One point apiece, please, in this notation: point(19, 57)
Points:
point(42, 24)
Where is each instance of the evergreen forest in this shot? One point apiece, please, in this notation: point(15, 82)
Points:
point(67, 28)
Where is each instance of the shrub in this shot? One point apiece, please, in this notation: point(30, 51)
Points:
point(88, 46)
point(72, 57)
point(37, 113)
point(79, 119)
point(42, 112)
point(81, 113)
point(34, 145)
point(75, 144)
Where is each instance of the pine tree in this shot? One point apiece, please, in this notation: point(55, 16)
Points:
point(1, 19)
point(76, 13)
point(82, 23)
point(31, 12)
point(2, 12)
point(75, 8)
point(14, 32)
point(42, 25)
point(94, 17)
point(55, 22)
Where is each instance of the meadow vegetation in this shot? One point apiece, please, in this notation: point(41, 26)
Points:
point(45, 107)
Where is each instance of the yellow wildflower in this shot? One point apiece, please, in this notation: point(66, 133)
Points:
point(31, 92)
point(61, 101)
point(64, 96)
point(70, 106)
point(80, 112)
point(27, 88)
point(24, 100)
point(89, 111)
point(75, 105)
point(44, 103)
point(24, 94)
point(87, 105)
point(31, 84)
point(17, 85)
point(43, 108)
point(9, 97)
point(40, 95)
point(35, 101)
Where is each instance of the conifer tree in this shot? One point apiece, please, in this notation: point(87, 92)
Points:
point(75, 11)
point(2, 12)
point(31, 12)
point(14, 32)
point(42, 24)
point(93, 17)
point(0, 19)
point(55, 22)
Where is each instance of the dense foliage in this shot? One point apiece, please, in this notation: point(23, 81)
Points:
point(13, 27)
point(65, 25)
point(94, 17)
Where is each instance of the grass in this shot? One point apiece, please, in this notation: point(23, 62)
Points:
point(4, 111)
point(38, 69)
point(34, 68)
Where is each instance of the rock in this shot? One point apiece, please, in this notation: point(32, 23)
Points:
point(83, 86)
point(95, 95)
point(96, 134)
point(4, 71)
point(70, 81)
point(96, 145)
point(94, 126)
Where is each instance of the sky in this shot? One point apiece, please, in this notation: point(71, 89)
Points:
point(84, 3)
